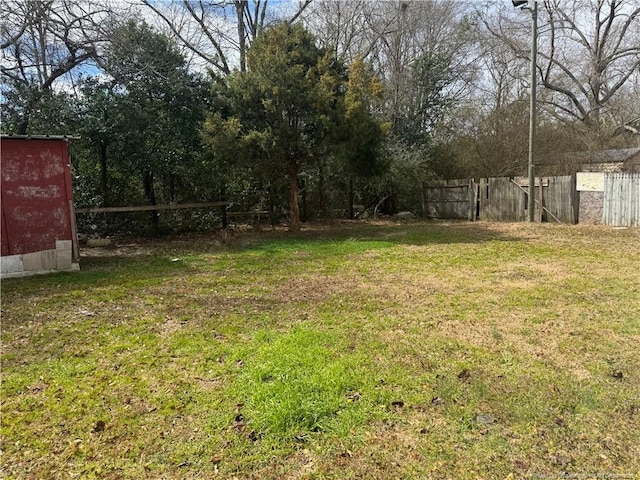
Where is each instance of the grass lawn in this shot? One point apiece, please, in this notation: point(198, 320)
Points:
point(409, 351)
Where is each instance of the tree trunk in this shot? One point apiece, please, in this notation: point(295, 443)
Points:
point(223, 210)
point(172, 187)
point(351, 195)
point(150, 193)
point(304, 217)
point(23, 126)
point(104, 174)
point(272, 206)
point(240, 8)
point(294, 210)
point(322, 193)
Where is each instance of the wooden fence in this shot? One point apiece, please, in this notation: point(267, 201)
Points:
point(502, 199)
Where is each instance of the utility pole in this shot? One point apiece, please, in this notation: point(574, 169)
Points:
point(532, 107)
point(533, 8)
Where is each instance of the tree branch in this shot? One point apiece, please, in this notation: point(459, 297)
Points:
point(301, 8)
point(222, 66)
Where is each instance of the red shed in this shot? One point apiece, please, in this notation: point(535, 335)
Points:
point(38, 220)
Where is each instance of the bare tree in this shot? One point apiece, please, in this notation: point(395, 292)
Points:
point(352, 28)
point(403, 39)
point(428, 62)
point(45, 40)
point(219, 32)
point(589, 55)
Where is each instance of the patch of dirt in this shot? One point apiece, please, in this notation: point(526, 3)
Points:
point(316, 288)
point(169, 326)
point(123, 246)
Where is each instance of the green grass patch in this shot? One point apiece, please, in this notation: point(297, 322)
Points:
point(300, 382)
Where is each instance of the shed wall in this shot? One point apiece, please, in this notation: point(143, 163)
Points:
point(37, 209)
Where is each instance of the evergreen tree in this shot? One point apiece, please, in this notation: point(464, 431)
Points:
point(284, 111)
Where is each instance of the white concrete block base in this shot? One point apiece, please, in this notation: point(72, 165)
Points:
point(11, 264)
point(59, 259)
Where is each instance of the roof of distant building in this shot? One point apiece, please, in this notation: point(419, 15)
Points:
point(612, 156)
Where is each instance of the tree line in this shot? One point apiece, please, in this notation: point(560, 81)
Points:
point(311, 108)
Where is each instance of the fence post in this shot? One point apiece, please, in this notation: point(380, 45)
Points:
point(540, 198)
point(575, 199)
point(472, 200)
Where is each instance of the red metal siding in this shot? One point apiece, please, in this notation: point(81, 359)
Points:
point(4, 246)
point(36, 190)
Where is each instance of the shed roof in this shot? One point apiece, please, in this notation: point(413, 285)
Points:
point(39, 137)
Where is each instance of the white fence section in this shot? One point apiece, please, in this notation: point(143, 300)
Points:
point(621, 200)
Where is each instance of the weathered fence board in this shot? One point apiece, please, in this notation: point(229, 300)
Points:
point(621, 200)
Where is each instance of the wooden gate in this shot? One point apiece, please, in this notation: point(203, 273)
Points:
point(450, 199)
point(502, 199)
point(621, 200)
